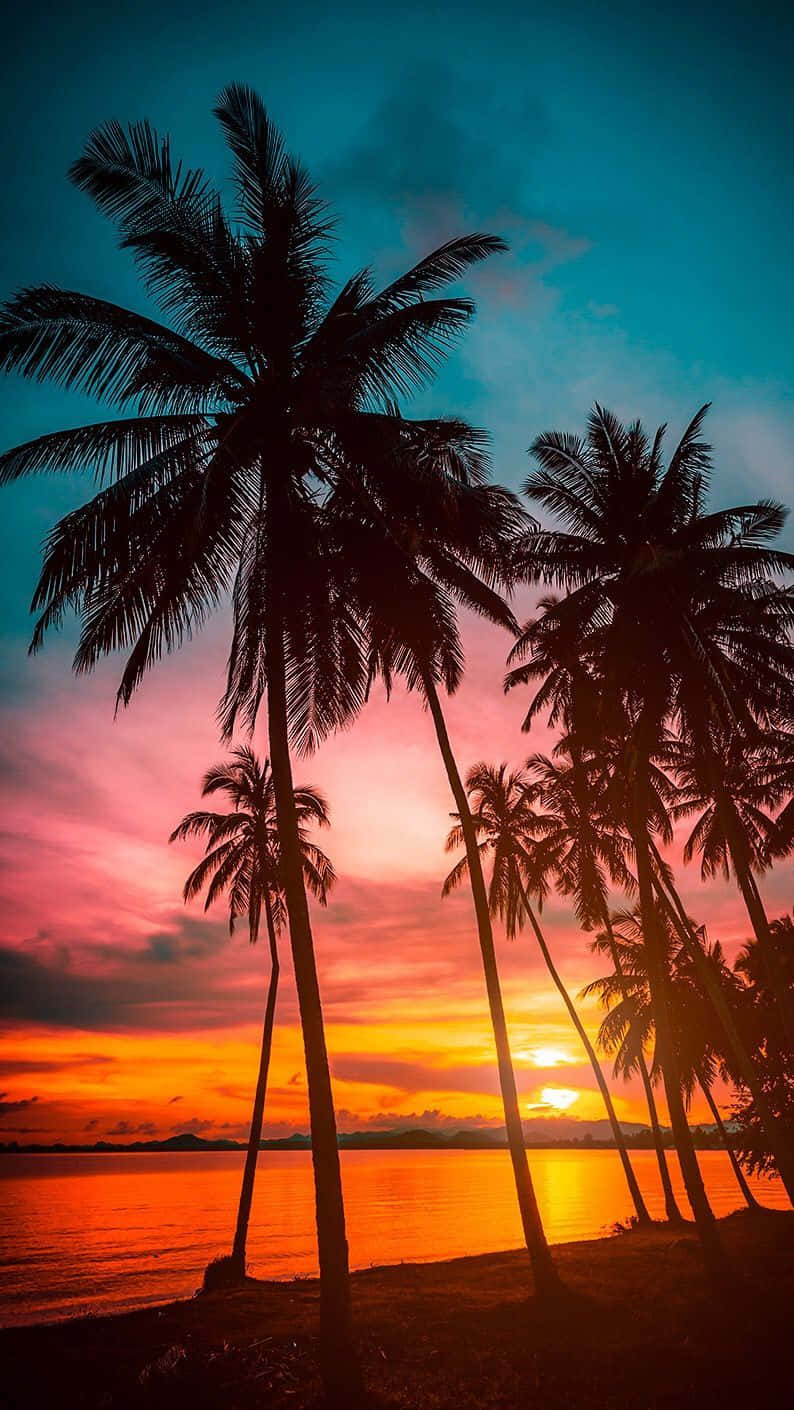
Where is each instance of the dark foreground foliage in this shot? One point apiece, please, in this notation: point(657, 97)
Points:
point(637, 1329)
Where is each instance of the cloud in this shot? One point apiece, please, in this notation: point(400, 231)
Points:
point(431, 1119)
point(194, 1126)
point(11, 1108)
point(427, 154)
point(125, 1128)
point(13, 1067)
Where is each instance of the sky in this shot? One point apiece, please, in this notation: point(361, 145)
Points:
point(638, 163)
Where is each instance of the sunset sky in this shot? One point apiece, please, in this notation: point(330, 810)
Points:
point(644, 184)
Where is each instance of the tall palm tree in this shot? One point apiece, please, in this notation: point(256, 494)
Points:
point(665, 596)
point(407, 573)
point(243, 862)
point(510, 833)
point(243, 418)
point(628, 1027)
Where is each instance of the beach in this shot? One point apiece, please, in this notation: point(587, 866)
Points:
point(637, 1327)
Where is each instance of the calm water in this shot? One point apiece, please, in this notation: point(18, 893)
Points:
point(91, 1233)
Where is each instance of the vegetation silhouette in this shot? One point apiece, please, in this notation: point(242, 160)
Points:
point(765, 1032)
point(243, 862)
point(679, 624)
point(628, 1028)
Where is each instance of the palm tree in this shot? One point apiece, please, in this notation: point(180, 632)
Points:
point(665, 596)
point(406, 575)
point(588, 853)
point(628, 1027)
point(735, 832)
point(243, 861)
point(510, 832)
point(241, 424)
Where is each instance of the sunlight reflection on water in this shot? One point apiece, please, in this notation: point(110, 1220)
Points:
point(91, 1233)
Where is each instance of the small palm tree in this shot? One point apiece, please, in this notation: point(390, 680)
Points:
point(510, 833)
point(736, 833)
point(243, 863)
point(588, 854)
point(628, 1028)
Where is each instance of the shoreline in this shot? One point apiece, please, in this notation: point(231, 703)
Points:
point(640, 1329)
point(704, 1138)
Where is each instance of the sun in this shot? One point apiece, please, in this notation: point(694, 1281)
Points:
point(558, 1097)
point(549, 1057)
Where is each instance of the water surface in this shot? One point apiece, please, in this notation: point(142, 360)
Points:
point(100, 1233)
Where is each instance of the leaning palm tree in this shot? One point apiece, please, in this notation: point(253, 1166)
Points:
point(243, 862)
point(511, 834)
point(241, 420)
point(406, 576)
point(665, 596)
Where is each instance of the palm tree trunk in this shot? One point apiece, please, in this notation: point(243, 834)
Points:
point(640, 1206)
point(749, 1197)
point(779, 1143)
point(672, 1211)
point(338, 1360)
point(257, 1116)
point(544, 1272)
point(705, 1223)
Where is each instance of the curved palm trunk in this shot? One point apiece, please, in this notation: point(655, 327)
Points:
point(779, 1143)
point(747, 1194)
point(544, 1272)
point(257, 1116)
point(672, 1211)
point(705, 1223)
point(338, 1360)
point(640, 1206)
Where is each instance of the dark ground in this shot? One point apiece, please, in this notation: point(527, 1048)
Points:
point(639, 1329)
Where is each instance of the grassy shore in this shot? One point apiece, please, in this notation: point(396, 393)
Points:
point(638, 1328)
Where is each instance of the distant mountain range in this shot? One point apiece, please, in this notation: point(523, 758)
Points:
point(539, 1133)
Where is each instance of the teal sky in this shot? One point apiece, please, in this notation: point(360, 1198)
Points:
point(638, 160)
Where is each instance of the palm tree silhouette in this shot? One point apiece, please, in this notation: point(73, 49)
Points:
point(587, 853)
point(245, 424)
point(513, 836)
point(447, 543)
point(628, 1028)
point(664, 595)
point(243, 862)
point(735, 832)
point(587, 844)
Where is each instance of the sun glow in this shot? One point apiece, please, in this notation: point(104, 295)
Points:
point(549, 1057)
point(558, 1097)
